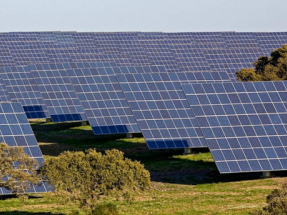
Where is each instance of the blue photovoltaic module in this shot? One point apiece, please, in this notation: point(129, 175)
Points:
point(103, 101)
point(161, 109)
point(22, 88)
point(244, 124)
point(102, 98)
point(58, 93)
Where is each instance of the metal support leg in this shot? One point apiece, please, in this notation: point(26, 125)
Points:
point(266, 174)
point(84, 123)
point(48, 120)
point(130, 135)
point(187, 151)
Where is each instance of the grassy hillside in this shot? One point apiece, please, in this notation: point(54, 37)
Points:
point(181, 184)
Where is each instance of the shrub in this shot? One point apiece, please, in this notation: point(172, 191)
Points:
point(86, 176)
point(276, 203)
point(18, 171)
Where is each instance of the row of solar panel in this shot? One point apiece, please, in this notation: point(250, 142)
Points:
point(243, 124)
point(90, 91)
point(203, 51)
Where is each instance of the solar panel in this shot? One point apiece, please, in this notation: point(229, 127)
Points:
point(15, 130)
point(22, 88)
point(4, 97)
point(103, 101)
point(244, 124)
point(161, 109)
point(58, 93)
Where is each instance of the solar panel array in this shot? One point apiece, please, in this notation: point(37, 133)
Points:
point(102, 98)
point(186, 50)
point(131, 82)
point(244, 124)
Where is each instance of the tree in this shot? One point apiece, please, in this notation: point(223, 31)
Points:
point(86, 176)
point(248, 75)
point(267, 69)
point(276, 203)
point(18, 171)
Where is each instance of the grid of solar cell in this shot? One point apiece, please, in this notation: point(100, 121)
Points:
point(244, 124)
point(190, 58)
point(103, 101)
point(21, 87)
point(58, 93)
point(15, 130)
point(161, 109)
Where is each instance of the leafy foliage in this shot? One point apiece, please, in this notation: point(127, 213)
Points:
point(276, 203)
point(267, 69)
point(86, 176)
point(17, 170)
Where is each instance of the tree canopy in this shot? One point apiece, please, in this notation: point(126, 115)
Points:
point(18, 171)
point(271, 68)
point(86, 176)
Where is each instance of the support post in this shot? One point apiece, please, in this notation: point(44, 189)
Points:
point(187, 151)
point(266, 174)
point(129, 135)
point(84, 123)
point(48, 120)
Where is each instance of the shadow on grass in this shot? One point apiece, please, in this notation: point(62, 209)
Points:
point(27, 213)
point(12, 196)
point(55, 138)
point(164, 165)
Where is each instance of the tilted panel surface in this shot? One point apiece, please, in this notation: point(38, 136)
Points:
point(244, 124)
point(58, 93)
point(103, 101)
point(22, 88)
point(161, 109)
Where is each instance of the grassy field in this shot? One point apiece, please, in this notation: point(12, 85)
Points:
point(181, 184)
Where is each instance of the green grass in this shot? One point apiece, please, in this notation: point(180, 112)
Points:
point(181, 184)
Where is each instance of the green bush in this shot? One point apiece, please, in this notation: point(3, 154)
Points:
point(105, 209)
point(86, 176)
point(276, 203)
point(19, 168)
point(267, 69)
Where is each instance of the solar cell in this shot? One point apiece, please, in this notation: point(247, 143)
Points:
point(161, 109)
point(244, 124)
